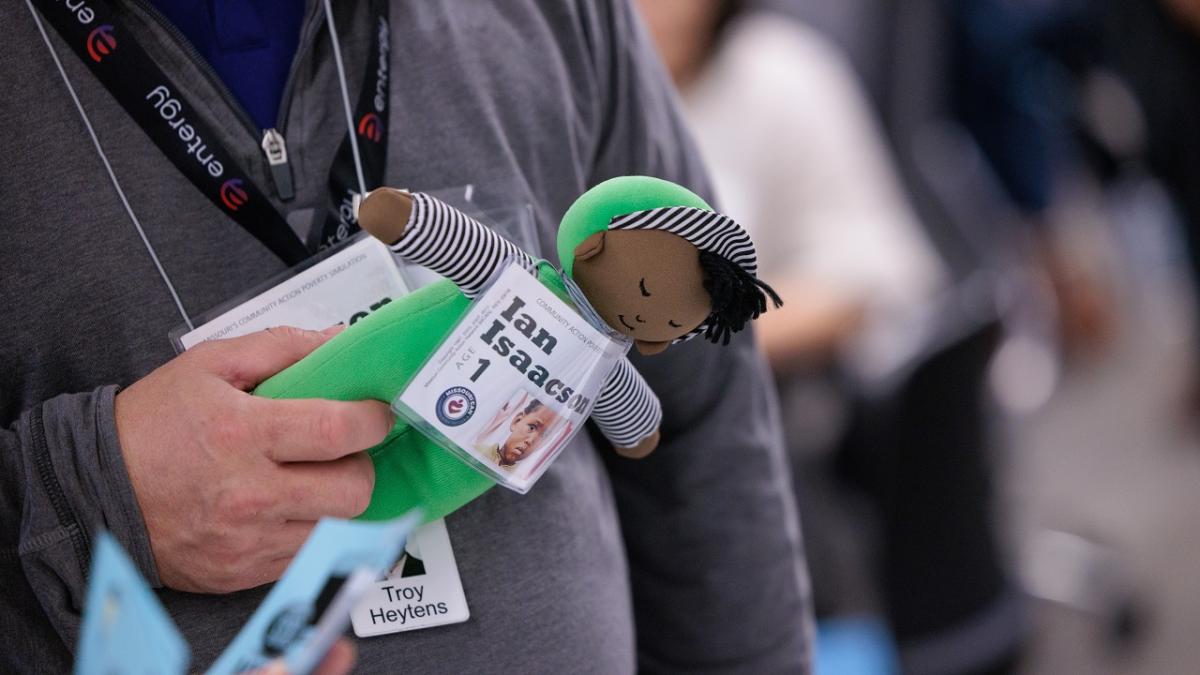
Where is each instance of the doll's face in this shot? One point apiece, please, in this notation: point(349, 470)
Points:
point(646, 284)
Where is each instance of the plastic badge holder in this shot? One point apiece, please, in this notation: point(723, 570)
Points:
point(338, 285)
point(316, 294)
point(515, 380)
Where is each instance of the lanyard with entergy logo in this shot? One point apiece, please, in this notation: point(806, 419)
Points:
point(105, 45)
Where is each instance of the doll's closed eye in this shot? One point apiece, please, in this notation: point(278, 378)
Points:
point(672, 324)
point(642, 285)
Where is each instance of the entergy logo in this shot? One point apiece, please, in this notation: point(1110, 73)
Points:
point(101, 43)
point(371, 127)
point(233, 195)
point(455, 406)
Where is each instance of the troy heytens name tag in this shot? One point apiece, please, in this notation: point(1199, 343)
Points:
point(422, 590)
point(341, 288)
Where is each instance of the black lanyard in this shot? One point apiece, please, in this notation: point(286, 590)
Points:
point(93, 31)
point(370, 117)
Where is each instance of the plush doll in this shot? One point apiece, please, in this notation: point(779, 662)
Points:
point(652, 260)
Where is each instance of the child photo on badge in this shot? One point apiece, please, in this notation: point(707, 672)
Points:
point(518, 431)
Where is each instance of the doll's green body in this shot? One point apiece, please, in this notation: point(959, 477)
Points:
point(374, 359)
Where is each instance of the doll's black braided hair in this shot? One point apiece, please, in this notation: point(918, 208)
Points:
point(737, 296)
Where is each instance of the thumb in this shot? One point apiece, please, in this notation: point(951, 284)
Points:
point(248, 360)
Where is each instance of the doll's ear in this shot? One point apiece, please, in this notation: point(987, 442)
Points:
point(648, 348)
point(590, 247)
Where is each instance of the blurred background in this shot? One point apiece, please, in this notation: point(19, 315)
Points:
point(984, 216)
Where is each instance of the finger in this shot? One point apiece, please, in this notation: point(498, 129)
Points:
point(317, 430)
point(248, 360)
point(339, 660)
point(274, 667)
point(341, 488)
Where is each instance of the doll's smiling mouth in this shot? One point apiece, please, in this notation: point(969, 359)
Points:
point(621, 318)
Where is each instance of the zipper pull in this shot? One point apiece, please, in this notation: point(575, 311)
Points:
point(275, 149)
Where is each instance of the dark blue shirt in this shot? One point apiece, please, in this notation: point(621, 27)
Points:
point(249, 43)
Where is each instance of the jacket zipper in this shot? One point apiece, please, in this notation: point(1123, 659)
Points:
point(275, 150)
point(58, 500)
point(272, 141)
point(274, 144)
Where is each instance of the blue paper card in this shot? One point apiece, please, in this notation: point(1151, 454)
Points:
point(309, 608)
point(125, 629)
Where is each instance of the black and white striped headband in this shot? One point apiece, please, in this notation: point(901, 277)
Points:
point(706, 230)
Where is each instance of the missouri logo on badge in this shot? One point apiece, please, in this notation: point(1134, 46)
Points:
point(455, 406)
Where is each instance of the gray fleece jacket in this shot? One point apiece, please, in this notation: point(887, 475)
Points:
point(689, 560)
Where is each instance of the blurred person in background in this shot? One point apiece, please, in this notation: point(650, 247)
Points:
point(797, 157)
point(1017, 68)
point(1155, 45)
point(1023, 74)
point(795, 153)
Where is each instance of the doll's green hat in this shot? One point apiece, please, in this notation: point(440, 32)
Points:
point(597, 208)
point(727, 254)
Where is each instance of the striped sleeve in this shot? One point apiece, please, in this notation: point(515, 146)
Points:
point(626, 410)
point(455, 245)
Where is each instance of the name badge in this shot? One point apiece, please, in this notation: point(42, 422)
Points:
point(345, 287)
point(340, 288)
point(514, 381)
point(422, 590)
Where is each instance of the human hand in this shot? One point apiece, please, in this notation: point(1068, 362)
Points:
point(339, 661)
point(1186, 12)
point(1077, 279)
point(230, 484)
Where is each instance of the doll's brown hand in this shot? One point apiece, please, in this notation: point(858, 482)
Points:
point(645, 447)
point(385, 213)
